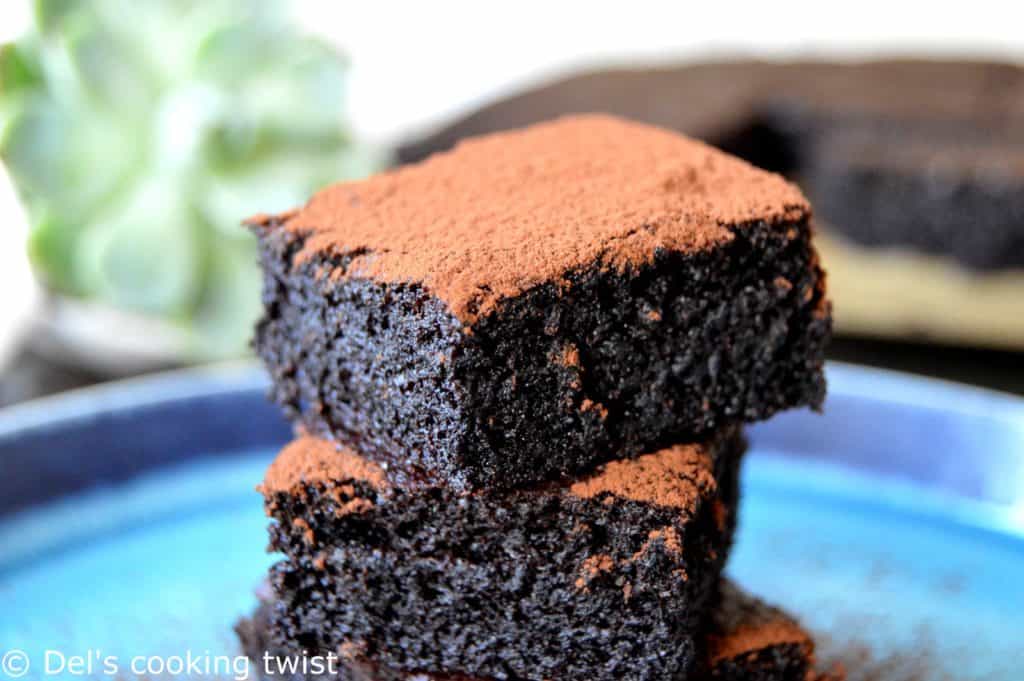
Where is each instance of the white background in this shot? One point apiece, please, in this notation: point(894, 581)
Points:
point(416, 63)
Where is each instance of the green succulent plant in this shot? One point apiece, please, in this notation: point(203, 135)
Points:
point(139, 134)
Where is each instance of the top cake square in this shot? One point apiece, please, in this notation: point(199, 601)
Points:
point(536, 302)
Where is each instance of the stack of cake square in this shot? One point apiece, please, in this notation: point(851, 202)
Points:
point(519, 372)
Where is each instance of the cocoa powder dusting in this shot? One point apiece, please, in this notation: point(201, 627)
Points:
point(502, 213)
point(570, 356)
point(669, 536)
point(310, 459)
point(589, 405)
point(676, 477)
point(592, 567)
point(346, 501)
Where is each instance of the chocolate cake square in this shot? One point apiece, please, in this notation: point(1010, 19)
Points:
point(748, 640)
point(534, 303)
point(607, 576)
point(958, 198)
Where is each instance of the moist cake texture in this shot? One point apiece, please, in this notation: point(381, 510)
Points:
point(534, 303)
point(747, 640)
point(607, 576)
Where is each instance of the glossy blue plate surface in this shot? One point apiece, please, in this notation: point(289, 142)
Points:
point(129, 526)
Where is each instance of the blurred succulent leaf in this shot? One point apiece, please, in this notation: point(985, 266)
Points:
point(49, 14)
point(139, 134)
point(144, 259)
point(51, 247)
point(19, 69)
point(111, 68)
point(32, 142)
point(62, 163)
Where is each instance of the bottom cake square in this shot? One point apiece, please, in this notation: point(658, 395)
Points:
point(607, 576)
point(745, 639)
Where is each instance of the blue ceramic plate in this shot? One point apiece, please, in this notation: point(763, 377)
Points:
point(130, 534)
